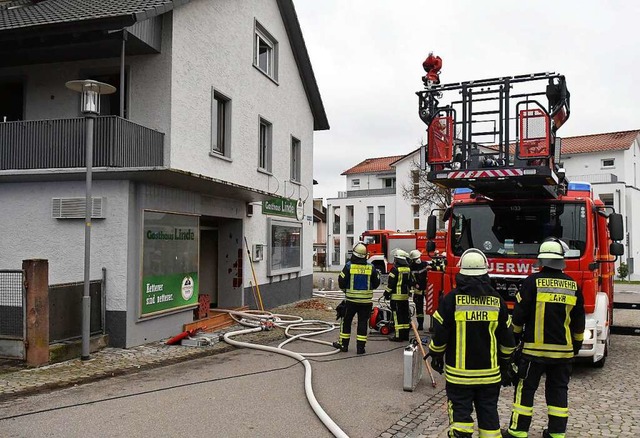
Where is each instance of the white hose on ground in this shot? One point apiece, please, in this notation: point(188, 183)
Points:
point(308, 388)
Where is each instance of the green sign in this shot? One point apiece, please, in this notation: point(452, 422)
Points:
point(169, 262)
point(283, 207)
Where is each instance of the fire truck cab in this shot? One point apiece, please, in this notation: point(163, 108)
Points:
point(495, 146)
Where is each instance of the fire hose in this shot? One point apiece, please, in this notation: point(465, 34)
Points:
point(261, 321)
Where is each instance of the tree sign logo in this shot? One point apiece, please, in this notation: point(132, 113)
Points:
point(187, 288)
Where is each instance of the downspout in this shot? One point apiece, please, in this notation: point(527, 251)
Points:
point(122, 57)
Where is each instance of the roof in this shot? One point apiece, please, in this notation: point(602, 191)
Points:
point(609, 141)
point(30, 14)
point(373, 165)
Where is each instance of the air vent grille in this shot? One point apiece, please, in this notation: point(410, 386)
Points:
point(74, 208)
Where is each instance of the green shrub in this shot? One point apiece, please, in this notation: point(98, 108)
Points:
point(623, 271)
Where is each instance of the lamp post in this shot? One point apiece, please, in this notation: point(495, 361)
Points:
point(91, 91)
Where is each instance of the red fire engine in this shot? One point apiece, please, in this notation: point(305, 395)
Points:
point(495, 145)
point(380, 244)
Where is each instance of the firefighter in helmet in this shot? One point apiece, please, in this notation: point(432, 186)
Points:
point(472, 344)
point(549, 319)
point(419, 284)
point(397, 290)
point(358, 279)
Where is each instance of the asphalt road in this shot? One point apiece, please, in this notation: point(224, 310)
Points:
point(244, 393)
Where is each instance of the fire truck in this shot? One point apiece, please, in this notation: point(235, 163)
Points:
point(494, 143)
point(381, 243)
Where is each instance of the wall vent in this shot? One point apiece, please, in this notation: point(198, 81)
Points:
point(74, 208)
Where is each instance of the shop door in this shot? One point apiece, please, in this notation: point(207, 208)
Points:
point(209, 263)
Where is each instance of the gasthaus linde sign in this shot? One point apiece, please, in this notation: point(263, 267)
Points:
point(169, 262)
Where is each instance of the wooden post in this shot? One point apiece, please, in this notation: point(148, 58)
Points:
point(37, 285)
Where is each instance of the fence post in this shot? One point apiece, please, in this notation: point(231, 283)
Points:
point(37, 285)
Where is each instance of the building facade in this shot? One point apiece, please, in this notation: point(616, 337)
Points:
point(207, 144)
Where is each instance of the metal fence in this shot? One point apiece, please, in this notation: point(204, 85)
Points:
point(65, 309)
point(12, 313)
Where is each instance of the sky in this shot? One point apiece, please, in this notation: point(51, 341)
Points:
point(367, 59)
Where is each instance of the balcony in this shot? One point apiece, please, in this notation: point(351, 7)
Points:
point(60, 143)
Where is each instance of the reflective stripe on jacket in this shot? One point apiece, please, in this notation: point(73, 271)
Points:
point(399, 282)
point(358, 281)
point(550, 310)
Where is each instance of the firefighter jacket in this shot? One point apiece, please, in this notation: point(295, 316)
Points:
point(358, 279)
point(399, 282)
point(550, 310)
point(472, 329)
point(419, 276)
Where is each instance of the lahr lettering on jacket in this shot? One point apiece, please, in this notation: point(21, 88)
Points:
point(476, 315)
point(478, 301)
point(556, 282)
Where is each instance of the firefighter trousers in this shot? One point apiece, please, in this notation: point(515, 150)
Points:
point(418, 300)
point(462, 400)
point(363, 310)
point(555, 391)
point(401, 318)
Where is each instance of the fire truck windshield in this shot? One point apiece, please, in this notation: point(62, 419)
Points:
point(517, 230)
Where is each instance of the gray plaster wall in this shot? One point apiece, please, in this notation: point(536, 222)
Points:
point(30, 232)
point(282, 292)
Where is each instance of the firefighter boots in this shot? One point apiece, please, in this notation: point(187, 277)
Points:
point(360, 347)
point(343, 347)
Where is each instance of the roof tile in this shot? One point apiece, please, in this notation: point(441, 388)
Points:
point(373, 165)
point(609, 141)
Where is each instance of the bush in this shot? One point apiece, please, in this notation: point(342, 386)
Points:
point(623, 271)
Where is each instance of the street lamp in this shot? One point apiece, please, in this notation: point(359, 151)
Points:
point(91, 91)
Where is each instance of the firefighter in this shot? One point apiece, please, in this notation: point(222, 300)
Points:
point(419, 284)
point(397, 290)
point(472, 344)
point(549, 319)
point(358, 279)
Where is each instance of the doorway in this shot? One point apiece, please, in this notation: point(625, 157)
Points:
point(208, 276)
point(11, 100)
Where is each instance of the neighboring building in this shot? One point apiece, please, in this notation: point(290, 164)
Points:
point(373, 200)
point(207, 141)
point(610, 162)
point(319, 234)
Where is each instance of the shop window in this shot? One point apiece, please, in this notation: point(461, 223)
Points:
point(285, 240)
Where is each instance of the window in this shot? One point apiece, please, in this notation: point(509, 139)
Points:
point(415, 179)
point(369, 218)
point(608, 162)
point(265, 56)
point(381, 223)
point(295, 160)
point(355, 182)
point(416, 217)
point(264, 160)
point(285, 253)
point(607, 198)
point(110, 103)
point(220, 124)
point(389, 182)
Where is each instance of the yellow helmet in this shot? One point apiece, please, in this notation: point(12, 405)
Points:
point(473, 262)
point(551, 253)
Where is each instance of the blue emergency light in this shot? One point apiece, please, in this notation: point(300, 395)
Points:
point(461, 191)
point(580, 186)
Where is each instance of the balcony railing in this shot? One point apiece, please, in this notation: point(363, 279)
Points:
point(60, 143)
point(369, 192)
point(336, 228)
point(349, 227)
point(596, 178)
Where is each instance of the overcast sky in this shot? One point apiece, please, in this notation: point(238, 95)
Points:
point(367, 58)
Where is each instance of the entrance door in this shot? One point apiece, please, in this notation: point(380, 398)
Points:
point(11, 101)
point(209, 263)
